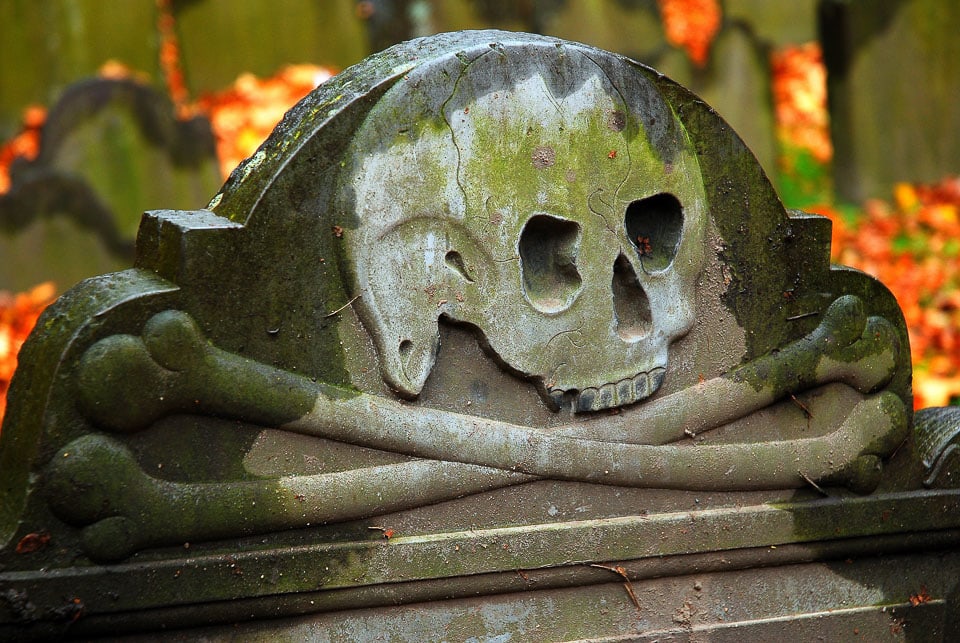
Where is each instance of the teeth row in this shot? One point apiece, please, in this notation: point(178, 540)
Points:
point(608, 396)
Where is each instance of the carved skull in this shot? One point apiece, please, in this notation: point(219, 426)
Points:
point(557, 208)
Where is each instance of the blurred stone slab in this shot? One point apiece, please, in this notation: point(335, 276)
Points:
point(222, 39)
point(49, 45)
point(109, 150)
point(893, 77)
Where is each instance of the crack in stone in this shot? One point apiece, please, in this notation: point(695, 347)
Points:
point(465, 64)
point(625, 103)
point(593, 210)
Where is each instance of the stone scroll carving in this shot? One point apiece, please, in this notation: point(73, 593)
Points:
point(470, 263)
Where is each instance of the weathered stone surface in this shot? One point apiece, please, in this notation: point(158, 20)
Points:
point(488, 314)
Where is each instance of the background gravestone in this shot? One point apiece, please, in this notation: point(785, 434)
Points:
point(892, 81)
point(108, 148)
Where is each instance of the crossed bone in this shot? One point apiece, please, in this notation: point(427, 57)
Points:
point(126, 383)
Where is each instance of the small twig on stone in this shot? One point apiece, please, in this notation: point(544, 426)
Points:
point(341, 307)
point(813, 484)
point(627, 585)
point(803, 407)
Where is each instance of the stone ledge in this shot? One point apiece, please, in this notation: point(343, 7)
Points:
point(406, 569)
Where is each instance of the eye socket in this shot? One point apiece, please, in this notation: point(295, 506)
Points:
point(454, 261)
point(548, 254)
point(654, 226)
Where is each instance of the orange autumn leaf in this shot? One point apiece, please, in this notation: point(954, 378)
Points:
point(18, 315)
point(25, 145)
point(905, 196)
point(912, 245)
point(799, 86)
point(33, 542)
point(921, 597)
point(691, 25)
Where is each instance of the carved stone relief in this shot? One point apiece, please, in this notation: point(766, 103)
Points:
point(476, 266)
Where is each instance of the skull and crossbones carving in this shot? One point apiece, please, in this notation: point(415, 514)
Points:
point(565, 224)
point(558, 211)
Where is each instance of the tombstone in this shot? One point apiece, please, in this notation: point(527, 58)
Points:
point(496, 336)
point(109, 149)
point(892, 80)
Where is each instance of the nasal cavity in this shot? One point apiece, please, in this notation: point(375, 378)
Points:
point(654, 226)
point(631, 306)
point(548, 255)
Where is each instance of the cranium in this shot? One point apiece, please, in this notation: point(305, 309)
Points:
point(532, 202)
